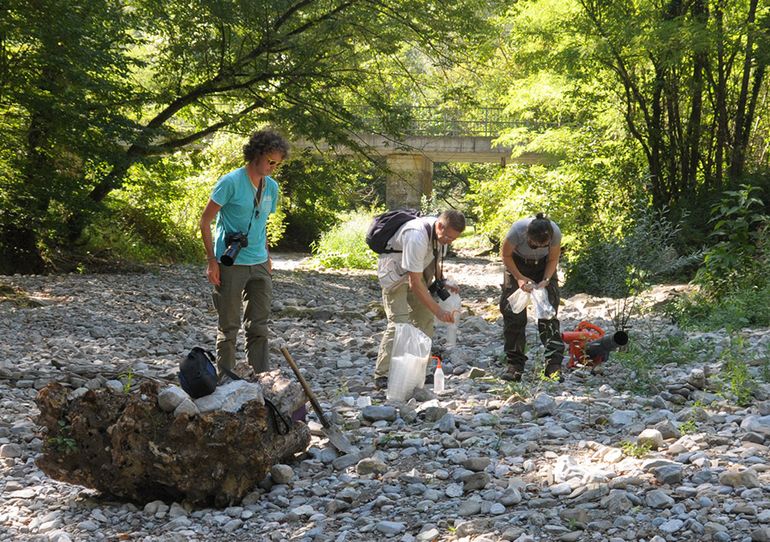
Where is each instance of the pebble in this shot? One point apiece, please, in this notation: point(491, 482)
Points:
point(10, 451)
point(545, 465)
point(651, 437)
point(281, 474)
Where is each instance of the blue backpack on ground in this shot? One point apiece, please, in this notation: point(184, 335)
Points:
point(385, 226)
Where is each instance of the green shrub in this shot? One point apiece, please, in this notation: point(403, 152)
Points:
point(635, 449)
point(625, 264)
point(128, 234)
point(739, 257)
point(344, 245)
point(748, 306)
point(734, 290)
point(737, 379)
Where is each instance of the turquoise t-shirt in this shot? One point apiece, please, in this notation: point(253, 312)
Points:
point(235, 194)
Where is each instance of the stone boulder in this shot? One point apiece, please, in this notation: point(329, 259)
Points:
point(125, 445)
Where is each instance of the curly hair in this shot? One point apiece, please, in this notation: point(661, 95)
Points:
point(263, 142)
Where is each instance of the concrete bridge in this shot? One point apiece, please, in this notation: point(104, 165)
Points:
point(434, 137)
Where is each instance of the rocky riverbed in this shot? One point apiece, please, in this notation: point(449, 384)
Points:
point(657, 448)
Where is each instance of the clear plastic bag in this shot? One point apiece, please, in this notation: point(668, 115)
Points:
point(451, 304)
point(518, 300)
point(542, 307)
point(411, 352)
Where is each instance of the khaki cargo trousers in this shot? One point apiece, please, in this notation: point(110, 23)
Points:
point(247, 289)
point(401, 307)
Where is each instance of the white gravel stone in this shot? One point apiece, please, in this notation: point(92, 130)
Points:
point(282, 474)
point(170, 397)
point(10, 451)
point(652, 438)
point(187, 407)
point(671, 526)
point(527, 467)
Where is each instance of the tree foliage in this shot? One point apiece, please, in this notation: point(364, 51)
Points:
point(689, 76)
point(738, 257)
point(627, 104)
point(92, 89)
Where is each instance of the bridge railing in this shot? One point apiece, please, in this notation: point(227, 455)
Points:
point(440, 122)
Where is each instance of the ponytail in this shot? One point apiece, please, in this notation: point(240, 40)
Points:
point(540, 229)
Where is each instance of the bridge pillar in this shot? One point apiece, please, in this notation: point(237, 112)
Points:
point(410, 177)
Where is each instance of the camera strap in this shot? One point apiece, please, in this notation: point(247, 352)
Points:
point(257, 201)
point(438, 267)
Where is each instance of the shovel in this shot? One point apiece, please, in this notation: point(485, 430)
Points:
point(334, 435)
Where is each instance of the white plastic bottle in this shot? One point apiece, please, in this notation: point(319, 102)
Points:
point(438, 379)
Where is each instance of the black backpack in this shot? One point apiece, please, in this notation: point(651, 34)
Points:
point(197, 374)
point(384, 226)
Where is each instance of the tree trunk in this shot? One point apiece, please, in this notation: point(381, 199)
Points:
point(720, 95)
point(18, 251)
point(756, 87)
point(676, 144)
point(700, 62)
point(738, 156)
point(655, 130)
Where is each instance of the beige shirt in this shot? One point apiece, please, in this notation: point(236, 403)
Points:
point(416, 253)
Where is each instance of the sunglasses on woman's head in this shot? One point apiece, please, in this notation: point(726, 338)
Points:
point(273, 162)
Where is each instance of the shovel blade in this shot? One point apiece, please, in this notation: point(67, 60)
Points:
point(339, 441)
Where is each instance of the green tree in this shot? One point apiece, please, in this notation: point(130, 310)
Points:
point(688, 76)
point(92, 89)
point(65, 81)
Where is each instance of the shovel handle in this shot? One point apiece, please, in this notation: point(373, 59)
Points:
point(306, 387)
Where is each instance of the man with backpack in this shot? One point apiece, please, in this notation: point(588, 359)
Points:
point(411, 260)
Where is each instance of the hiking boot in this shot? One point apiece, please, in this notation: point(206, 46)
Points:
point(554, 372)
point(512, 374)
point(381, 382)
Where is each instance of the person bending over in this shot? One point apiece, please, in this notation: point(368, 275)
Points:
point(531, 253)
point(419, 247)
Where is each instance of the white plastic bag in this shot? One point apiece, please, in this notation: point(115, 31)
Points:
point(411, 351)
point(542, 307)
point(452, 304)
point(518, 300)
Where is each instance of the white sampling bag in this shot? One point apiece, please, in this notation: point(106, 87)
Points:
point(453, 305)
point(518, 300)
point(411, 352)
point(542, 307)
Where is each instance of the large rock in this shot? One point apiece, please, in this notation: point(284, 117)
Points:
point(757, 424)
point(231, 396)
point(126, 445)
point(736, 478)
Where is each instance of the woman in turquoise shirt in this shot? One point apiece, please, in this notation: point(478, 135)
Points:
point(239, 264)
